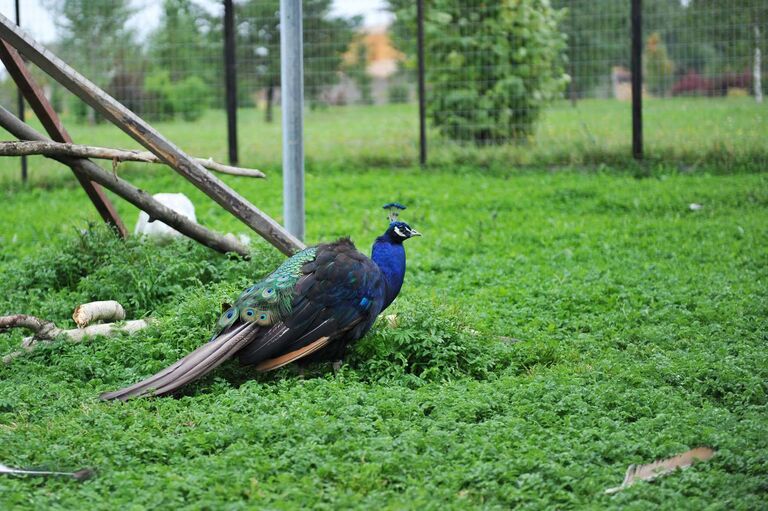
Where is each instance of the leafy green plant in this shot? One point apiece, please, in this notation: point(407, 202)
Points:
point(398, 93)
point(491, 66)
point(186, 97)
point(426, 340)
point(659, 68)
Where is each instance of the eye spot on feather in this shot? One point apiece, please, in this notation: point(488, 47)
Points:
point(268, 293)
point(228, 317)
point(264, 318)
point(248, 315)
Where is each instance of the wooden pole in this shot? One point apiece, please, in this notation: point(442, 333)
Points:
point(230, 79)
point(292, 102)
point(637, 78)
point(20, 101)
point(138, 198)
point(150, 138)
point(47, 116)
point(422, 86)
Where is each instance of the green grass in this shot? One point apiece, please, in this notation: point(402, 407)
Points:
point(642, 328)
point(722, 134)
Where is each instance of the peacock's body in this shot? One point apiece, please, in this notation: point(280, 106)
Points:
point(312, 307)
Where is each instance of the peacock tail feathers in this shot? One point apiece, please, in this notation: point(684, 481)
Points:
point(268, 301)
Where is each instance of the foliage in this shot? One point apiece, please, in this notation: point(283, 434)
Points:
point(426, 340)
point(658, 66)
point(96, 41)
point(326, 38)
point(398, 93)
point(186, 97)
point(491, 67)
point(695, 134)
point(356, 68)
point(187, 44)
point(554, 327)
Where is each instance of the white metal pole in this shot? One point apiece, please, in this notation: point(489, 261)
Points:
point(292, 103)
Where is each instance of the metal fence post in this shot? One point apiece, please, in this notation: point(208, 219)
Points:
point(637, 78)
point(422, 92)
point(230, 80)
point(292, 103)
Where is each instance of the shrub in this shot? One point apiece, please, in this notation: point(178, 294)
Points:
point(425, 340)
point(186, 97)
point(658, 67)
point(398, 93)
point(492, 66)
point(159, 91)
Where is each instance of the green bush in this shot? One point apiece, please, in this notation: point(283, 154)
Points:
point(492, 66)
point(160, 91)
point(421, 340)
point(185, 97)
point(659, 69)
point(189, 98)
point(398, 93)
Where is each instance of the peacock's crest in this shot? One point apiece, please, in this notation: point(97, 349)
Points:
point(394, 209)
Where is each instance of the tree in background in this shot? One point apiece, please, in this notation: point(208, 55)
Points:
point(490, 66)
point(95, 39)
point(597, 40)
point(186, 63)
point(356, 67)
point(659, 68)
point(728, 32)
point(326, 38)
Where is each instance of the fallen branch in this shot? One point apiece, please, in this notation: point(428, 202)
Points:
point(46, 331)
point(80, 475)
point(660, 468)
point(46, 148)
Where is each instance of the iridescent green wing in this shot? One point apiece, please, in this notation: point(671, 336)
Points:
point(269, 300)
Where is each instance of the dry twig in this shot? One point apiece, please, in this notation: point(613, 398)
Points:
point(29, 148)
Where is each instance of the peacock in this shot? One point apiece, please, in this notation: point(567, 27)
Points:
point(311, 308)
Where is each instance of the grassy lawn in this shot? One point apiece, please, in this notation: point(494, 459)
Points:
point(642, 328)
point(722, 134)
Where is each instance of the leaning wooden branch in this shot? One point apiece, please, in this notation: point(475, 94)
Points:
point(150, 138)
point(29, 148)
point(46, 331)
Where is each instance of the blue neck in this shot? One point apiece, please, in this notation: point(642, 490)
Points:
point(389, 255)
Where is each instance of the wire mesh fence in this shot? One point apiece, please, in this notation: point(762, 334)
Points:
point(526, 82)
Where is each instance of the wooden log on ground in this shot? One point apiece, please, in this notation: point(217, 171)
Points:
point(150, 138)
point(127, 191)
point(28, 148)
point(46, 331)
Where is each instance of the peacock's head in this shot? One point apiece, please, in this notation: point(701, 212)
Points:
point(398, 231)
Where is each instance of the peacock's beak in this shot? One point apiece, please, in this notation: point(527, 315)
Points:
point(413, 233)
